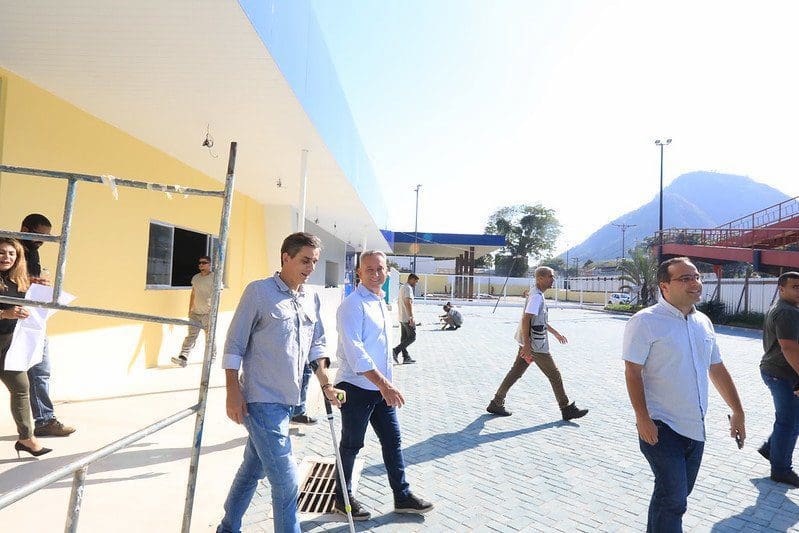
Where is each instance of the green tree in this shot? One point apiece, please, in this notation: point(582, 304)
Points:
point(640, 271)
point(555, 263)
point(530, 232)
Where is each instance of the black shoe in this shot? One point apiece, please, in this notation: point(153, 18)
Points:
point(395, 354)
point(53, 428)
point(412, 505)
point(408, 360)
point(303, 419)
point(498, 409)
point(765, 451)
point(359, 514)
point(571, 412)
point(19, 447)
point(789, 478)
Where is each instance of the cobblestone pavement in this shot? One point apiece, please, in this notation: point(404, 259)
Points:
point(533, 472)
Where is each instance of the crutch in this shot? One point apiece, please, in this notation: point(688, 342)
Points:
point(347, 507)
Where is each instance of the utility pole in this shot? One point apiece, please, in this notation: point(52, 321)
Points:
point(661, 144)
point(623, 228)
point(416, 230)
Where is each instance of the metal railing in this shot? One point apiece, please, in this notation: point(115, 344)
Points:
point(766, 238)
point(772, 214)
point(79, 468)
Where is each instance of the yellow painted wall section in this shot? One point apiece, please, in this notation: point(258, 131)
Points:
point(107, 257)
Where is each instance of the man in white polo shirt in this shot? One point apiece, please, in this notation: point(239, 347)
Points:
point(669, 352)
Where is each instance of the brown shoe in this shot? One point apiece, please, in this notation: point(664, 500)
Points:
point(54, 428)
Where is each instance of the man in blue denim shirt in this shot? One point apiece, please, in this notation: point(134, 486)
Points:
point(365, 374)
point(276, 329)
point(779, 368)
point(669, 353)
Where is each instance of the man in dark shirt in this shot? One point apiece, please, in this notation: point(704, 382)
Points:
point(780, 371)
point(47, 425)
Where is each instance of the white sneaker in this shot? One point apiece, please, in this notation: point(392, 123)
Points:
point(180, 361)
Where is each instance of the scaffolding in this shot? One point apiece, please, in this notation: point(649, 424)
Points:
point(79, 468)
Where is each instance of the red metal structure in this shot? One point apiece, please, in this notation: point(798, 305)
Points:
point(768, 239)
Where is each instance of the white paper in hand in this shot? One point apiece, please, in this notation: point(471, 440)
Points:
point(27, 343)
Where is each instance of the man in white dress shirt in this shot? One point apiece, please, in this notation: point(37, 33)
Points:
point(365, 373)
point(669, 352)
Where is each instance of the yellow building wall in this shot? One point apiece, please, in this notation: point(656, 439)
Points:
point(107, 256)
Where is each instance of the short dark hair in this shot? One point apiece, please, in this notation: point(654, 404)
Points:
point(296, 241)
point(412, 277)
point(34, 220)
point(207, 258)
point(782, 281)
point(663, 269)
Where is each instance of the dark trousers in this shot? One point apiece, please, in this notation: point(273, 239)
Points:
point(408, 336)
point(362, 408)
point(782, 441)
point(546, 364)
point(675, 461)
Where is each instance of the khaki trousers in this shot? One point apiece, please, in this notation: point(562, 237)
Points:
point(547, 365)
point(19, 388)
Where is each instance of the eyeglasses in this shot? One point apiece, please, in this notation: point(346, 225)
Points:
point(688, 278)
point(205, 262)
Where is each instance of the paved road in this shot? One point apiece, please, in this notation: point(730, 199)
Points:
point(533, 472)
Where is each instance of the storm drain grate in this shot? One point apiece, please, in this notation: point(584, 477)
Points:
point(318, 489)
point(318, 484)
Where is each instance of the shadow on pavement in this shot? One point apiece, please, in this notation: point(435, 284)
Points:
point(770, 496)
point(33, 469)
point(388, 521)
point(444, 444)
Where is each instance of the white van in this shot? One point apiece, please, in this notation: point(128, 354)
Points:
point(618, 298)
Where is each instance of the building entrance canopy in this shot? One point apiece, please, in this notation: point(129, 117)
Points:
point(443, 245)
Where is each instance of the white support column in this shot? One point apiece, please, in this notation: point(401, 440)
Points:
point(303, 189)
point(582, 283)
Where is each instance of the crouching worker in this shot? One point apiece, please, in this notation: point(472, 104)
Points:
point(452, 318)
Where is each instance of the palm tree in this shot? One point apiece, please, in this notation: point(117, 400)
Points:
point(640, 271)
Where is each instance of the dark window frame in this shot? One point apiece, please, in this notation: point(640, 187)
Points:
point(211, 241)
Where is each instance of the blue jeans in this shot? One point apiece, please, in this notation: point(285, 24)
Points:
point(781, 443)
point(39, 377)
point(364, 407)
point(306, 376)
point(267, 454)
point(675, 461)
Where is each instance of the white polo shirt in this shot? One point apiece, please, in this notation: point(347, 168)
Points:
point(676, 352)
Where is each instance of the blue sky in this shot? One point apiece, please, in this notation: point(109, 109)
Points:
point(488, 104)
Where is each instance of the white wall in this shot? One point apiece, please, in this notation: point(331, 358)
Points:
point(333, 249)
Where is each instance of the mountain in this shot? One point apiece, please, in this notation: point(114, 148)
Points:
point(693, 200)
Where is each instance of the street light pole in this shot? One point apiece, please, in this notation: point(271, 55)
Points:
point(624, 228)
point(416, 230)
point(661, 144)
